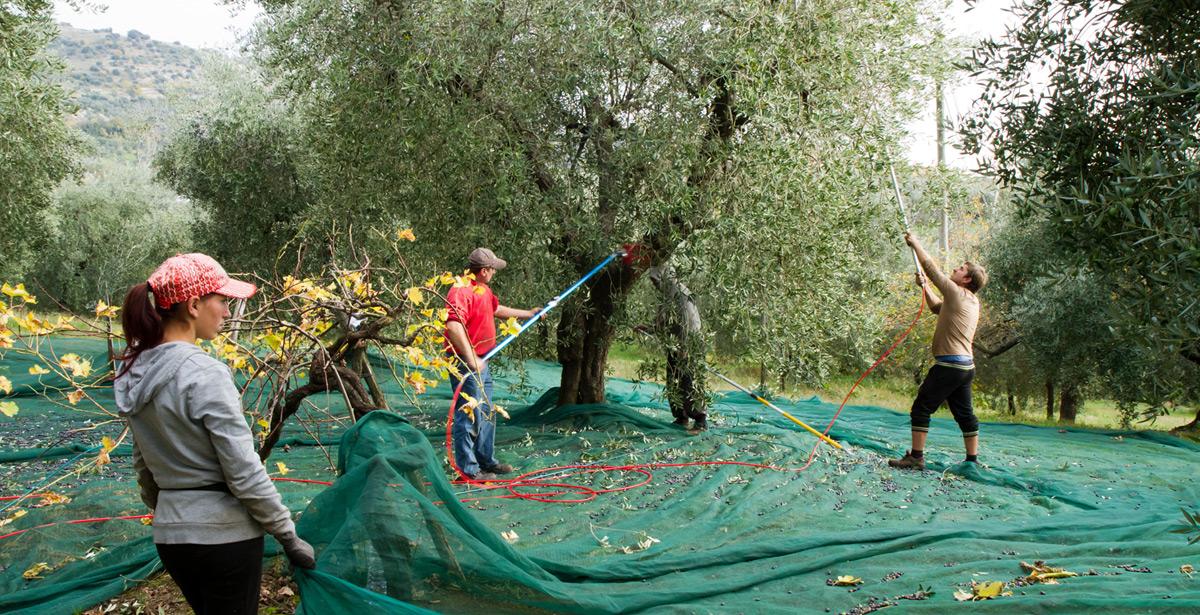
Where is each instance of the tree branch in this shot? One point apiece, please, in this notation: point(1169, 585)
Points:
point(1004, 347)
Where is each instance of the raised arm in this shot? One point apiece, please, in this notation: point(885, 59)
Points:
point(933, 301)
point(939, 279)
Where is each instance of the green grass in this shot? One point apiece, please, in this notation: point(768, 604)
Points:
point(625, 359)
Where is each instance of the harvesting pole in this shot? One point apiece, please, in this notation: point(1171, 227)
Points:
point(772, 406)
point(903, 211)
point(553, 303)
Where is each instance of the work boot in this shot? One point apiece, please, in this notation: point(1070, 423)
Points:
point(908, 462)
point(500, 468)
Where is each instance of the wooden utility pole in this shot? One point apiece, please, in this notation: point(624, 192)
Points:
point(941, 162)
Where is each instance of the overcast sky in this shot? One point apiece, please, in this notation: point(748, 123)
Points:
point(210, 23)
point(195, 23)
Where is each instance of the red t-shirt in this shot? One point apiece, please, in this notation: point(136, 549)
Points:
point(476, 312)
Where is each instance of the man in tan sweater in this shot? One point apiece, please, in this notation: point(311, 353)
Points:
point(949, 380)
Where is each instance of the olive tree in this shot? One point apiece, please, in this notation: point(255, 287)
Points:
point(237, 154)
point(1090, 111)
point(37, 149)
point(558, 131)
point(106, 233)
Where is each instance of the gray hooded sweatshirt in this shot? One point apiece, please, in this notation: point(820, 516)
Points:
point(189, 431)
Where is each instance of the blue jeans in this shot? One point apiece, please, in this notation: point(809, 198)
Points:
point(474, 440)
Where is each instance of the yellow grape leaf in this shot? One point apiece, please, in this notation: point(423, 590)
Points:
point(104, 310)
point(417, 381)
point(274, 341)
point(148, 521)
point(106, 445)
point(35, 571)
point(847, 580)
point(36, 325)
point(16, 514)
point(469, 407)
point(8, 408)
point(415, 355)
point(415, 295)
point(291, 285)
point(78, 366)
point(406, 234)
point(51, 498)
point(427, 312)
point(18, 292)
point(75, 396)
point(264, 424)
point(283, 469)
point(500, 410)
point(38, 370)
point(479, 290)
point(1041, 572)
point(510, 327)
point(985, 591)
point(5, 385)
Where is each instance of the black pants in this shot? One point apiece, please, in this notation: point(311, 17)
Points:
point(217, 579)
point(685, 393)
point(950, 385)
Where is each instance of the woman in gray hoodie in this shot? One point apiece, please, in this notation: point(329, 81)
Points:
point(192, 448)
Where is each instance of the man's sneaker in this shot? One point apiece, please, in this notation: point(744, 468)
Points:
point(908, 462)
point(500, 468)
point(482, 476)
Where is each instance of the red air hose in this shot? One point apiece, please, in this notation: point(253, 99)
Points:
point(544, 491)
point(529, 487)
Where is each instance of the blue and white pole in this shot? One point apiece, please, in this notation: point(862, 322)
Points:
point(553, 303)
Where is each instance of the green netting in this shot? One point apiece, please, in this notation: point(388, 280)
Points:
point(393, 535)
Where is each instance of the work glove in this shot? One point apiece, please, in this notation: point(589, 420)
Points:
point(299, 553)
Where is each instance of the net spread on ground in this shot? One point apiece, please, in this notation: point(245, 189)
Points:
point(631, 526)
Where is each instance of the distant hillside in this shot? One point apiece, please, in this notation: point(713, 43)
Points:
point(121, 83)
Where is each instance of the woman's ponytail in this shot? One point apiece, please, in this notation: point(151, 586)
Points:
point(143, 324)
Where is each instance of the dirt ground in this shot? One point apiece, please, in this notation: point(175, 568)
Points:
point(161, 596)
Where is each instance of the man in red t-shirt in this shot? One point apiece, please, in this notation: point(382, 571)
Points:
point(470, 334)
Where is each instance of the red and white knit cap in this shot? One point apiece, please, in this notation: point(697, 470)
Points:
point(184, 276)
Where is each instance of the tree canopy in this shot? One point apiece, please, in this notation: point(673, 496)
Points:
point(557, 131)
point(37, 149)
point(1090, 114)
